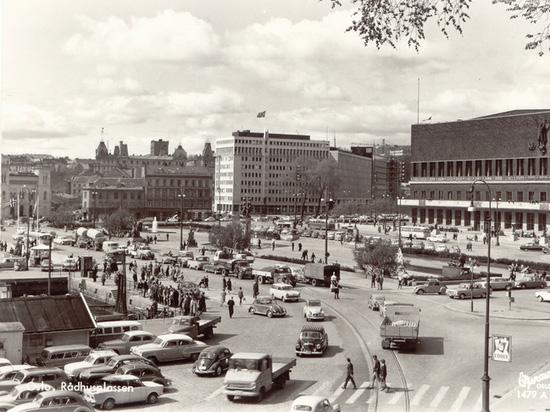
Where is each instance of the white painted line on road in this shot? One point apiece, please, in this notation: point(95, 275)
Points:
point(215, 393)
point(395, 398)
point(457, 405)
point(477, 406)
point(322, 388)
point(373, 397)
point(419, 394)
point(439, 397)
point(337, 393)
point(362, 388)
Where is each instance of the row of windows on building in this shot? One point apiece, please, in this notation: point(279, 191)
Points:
point(22, 196)
point(293, 143)
point(178, 182)
point(500, 196)
point(490, 167)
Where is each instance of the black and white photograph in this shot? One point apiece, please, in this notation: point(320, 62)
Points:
point(275, 205)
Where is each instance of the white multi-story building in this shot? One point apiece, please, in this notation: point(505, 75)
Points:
point(259, 168)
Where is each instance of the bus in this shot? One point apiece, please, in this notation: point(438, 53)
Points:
point(319, 224)
point(417, 232)
point(112, 330)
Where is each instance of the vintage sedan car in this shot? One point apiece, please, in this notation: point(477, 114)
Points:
point(95, 358)
point(7, 262)
point(432, 286)
point(130, 339)
point(417, 245)
point(184, 256)
point(168, 259)
point(530, 282)
point(441, 248)
point(146, 373)
point(51, 376)
point(23, 393)
point(46, 265)
point(284, 291)
point(63, 240)
point(7, 372)
point(531, 247)
point(376, 301)
point(246, 255)
point(313, 310)
point(212, 361)
point(198, 263)
point(266, 305)
point(467, 290)
point(56, 401)
point(438, 239)
point(143, 252)
point(313, 340)
point(497, 284)
point(170, 347)
point(429, 246)
point(94, 374)
point(313, 404)
point(543, 295)
point(70, 264)
point(122, 389)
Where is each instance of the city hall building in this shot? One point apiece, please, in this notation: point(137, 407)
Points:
point(509, 151)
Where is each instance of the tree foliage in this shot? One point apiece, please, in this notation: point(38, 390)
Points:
point(119, 223)
point(375, 256)
point(63, 216)
point(389, 22)
point(233, 236)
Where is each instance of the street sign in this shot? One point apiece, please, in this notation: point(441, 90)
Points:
point(502, 348)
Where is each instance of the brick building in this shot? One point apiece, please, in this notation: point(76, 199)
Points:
point(508, 150)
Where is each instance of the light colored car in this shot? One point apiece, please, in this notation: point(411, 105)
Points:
point(313, 310)
point(9, 371)
point(498, 284)
point(432, 286)
point(441, 248)
point(284, 291)
point(95, 358)
point(543, 295)
point(5, 362)
point(130, 339)
point(313, 404)
point(65, 240)
point(466, 290)
point(438, 239)
point(23, 393)
point(142, 252)
point(121, 390)
point(56, 401)
point(70, 263)
point(198, 263)
point(170, 347)
point(429, 246)
point(249, 257)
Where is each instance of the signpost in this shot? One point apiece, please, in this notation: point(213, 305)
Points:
point(501, 348)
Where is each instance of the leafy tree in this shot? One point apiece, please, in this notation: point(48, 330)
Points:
point(63, 216)
point(234, 236)
point(388, 22)
point(119, 223)
point(377, 256)
point(191, 242)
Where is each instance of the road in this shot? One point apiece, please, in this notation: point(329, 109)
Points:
point(443, 374)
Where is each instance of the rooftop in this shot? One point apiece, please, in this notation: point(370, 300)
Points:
point(248, 133)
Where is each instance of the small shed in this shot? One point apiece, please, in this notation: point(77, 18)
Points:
point(11, 341)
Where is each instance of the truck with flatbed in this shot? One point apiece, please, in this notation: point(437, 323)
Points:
point(320, 274)
point(235, 267)
point(253, 375)
point(400, 327)
point(194, 326)
point(270, 274)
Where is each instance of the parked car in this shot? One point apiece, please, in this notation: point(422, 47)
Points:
point(313, 310)
point(432, 286)
point(531, 247)
point(212, 361)
point(50, 376)
point(184, 256)
point(284, 291)
point(7, 372)
point(168, 259)
point(530, 282)
point(70, 264)
point(95, 358)
point(146, 373)
point(376, 301)
point(429, 246)
point(65, 240)
point(170, 347)
point(543, 295)
point(143, 252)
point(121, 390)
point(467, 290)
point(198, 263)
point(417, 245)
point(314, 404)
point(56, 401)
point(313, 340)
point(21, 394)
point(441, 248)
point(266, 305)
point(497, 284)
point(130, 339)
point(93, 375)
point(245, 255)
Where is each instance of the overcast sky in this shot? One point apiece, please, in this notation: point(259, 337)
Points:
point(197, 70)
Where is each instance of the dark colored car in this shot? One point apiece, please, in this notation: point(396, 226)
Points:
point(266, 305)
point(531, 246)
point(96, 373)
point(212, 361)
point(146, 373)
point(313, 340)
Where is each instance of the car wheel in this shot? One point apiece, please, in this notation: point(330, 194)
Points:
point(261, 280)
point(522, 286)
point(194, 357)
point(219, 371)
point(540, 298)
point(231, 398)
point(269, 314)
point(483, 295)
point(152, 398)
point(284, 299)
point(108, 404)
point(251, 310)
point(313, 282)
point(462, 296)
point(420, 292)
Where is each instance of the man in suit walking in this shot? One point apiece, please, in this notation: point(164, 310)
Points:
point(349, 376)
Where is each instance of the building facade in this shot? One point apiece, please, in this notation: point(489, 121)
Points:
point(106, 195)
point(355, 172)
point(259, 169)
point(159, 147)
point(507, 150)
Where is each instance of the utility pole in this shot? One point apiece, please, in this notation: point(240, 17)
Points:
point(50, 267)
point(121, 305)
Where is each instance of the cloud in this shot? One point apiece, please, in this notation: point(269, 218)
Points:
point(169, 36)
point(107, 85)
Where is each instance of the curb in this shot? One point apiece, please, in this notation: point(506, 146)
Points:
point(482, 315)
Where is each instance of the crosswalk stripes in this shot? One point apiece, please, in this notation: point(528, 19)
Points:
point(395, 398)
point(439, 397)
point(337, 393)
point(457, 404)
point(357, 394)
point(419, 394)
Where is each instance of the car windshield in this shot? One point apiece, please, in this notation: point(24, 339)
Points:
point(207, 355)
point(90, 358)
point(314, 303)
point(244, 364)
point(310, 335)
point(18, 377)
point(287, 287)
point(113, 362)
point(159, 340)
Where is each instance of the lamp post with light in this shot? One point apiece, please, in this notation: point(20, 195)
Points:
point(497, 221)
point(181, 196)
point(329, 204)
point(485, 378)
point(27, 252)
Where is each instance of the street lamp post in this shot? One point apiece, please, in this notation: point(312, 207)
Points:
point(497, 222)
point(181, 195)
point(94, 194)
point(27, 254)
point(399, 217)
point(328, 205)
point(485, 378)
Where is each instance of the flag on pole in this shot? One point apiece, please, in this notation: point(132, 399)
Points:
point(261, 114)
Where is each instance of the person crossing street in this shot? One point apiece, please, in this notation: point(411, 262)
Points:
point(349, 375)
point(375, 371)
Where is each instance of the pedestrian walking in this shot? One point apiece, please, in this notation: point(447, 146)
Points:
point(313, 257)
point(349, 375)
point(167, 237)
point(224, 283)
point(373, 279)
point(255, 289)
point(231, 306)
point(223, 297)
point(293, 246)
point(382, 375)
point(103, 277)
point(273, 244)
point(240, 294)
point(299, 247)
point(259, 243)
point(375, 371)
point(229, 285)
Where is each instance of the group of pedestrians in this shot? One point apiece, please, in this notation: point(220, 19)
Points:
point(379, 374)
